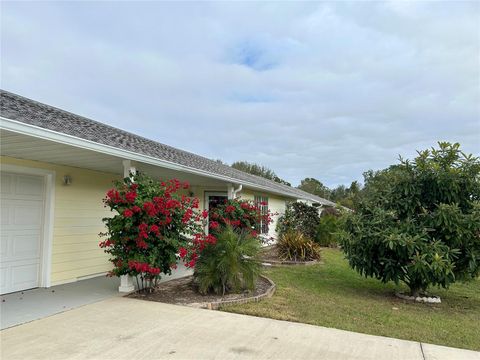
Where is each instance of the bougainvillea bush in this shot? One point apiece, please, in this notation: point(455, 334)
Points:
point(231, 263)
point(153, 222)
point(241, 215)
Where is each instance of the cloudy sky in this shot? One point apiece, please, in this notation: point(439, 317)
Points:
point(325, 90)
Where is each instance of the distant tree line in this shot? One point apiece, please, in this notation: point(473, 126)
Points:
point(344, 195)
point(258, 170)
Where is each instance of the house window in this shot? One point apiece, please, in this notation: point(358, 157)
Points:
point(262, 203)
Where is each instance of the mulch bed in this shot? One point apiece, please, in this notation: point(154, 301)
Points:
point(183, 292)
point(269, 256)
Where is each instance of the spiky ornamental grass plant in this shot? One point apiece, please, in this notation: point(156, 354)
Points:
point(295, 246)
point(419, 222)
point(229, 265)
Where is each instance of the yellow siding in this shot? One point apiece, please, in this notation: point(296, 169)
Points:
point(78, 218)
point(77, 221)
point(276, 205)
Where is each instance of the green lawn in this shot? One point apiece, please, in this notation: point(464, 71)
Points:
point(335, 296)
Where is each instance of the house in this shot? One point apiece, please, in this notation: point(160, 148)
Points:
point(55, 169)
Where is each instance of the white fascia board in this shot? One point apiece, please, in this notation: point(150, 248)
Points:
point(46, 134)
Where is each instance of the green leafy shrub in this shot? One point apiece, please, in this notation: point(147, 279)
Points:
point(229, 265)
point(418, 222)
point(300, 217)
point(328, 227)
point(295, 246)
point(326, 231)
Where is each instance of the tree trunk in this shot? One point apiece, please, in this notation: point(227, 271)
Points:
point(415, 292)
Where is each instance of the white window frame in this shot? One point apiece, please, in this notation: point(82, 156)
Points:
point(257, 199)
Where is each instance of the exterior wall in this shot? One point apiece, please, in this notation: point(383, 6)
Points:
point(276, 204)
point(78, 213)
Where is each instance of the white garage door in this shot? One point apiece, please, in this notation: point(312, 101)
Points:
point(22, 217)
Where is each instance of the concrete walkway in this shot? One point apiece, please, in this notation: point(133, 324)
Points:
point(121, 328)
point(24, 306)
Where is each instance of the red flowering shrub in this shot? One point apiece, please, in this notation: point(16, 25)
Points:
point(153, 223)
point(240, 214)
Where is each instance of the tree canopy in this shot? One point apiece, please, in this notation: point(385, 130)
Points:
point(258, 170)
point(418, 222)
point(346, 196)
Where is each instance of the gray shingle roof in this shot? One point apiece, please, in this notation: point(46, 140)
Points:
point(31, 112)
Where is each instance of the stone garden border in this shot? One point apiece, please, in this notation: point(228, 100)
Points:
point(421, 299)
point(215, 305)
point(290, 263)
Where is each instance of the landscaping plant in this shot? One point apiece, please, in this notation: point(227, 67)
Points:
point(295, 246)
point(240, 214)
point(301, 217)
point(329, 225)
point(419, 221)
point(152, 222)
point(229, 265)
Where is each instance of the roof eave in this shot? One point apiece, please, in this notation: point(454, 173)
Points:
point(66, 139)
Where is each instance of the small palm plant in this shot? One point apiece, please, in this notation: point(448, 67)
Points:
point(231, 264)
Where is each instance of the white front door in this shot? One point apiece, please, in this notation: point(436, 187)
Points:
point(22, 219)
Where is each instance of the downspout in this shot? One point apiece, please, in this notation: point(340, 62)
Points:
point(235, 191)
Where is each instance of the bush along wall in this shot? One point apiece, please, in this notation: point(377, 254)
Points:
point(299, 217)
point(151, 222)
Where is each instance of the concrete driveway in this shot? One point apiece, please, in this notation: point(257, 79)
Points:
point(121, 328)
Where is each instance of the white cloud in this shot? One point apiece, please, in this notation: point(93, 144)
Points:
point(321, 90)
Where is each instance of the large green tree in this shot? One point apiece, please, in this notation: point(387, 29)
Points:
point(258, 170)
point(418, 222)
point(315, 187)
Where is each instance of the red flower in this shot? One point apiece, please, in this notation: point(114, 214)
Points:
point(211, 239)
point(114, 196)
point(106, 243)
point(182, 252)
point(195, 203)
point(150, 208)
point(245, 205)
point(136, 209)
point(186, 217)
point(128, 213)
point(186, 185)
point(230, 208)
point(142, 244)
point(131, 196)
point(204, 214)
point(214, 224)
point(154, 228)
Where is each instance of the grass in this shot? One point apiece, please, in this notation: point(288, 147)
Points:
point(333, 295)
